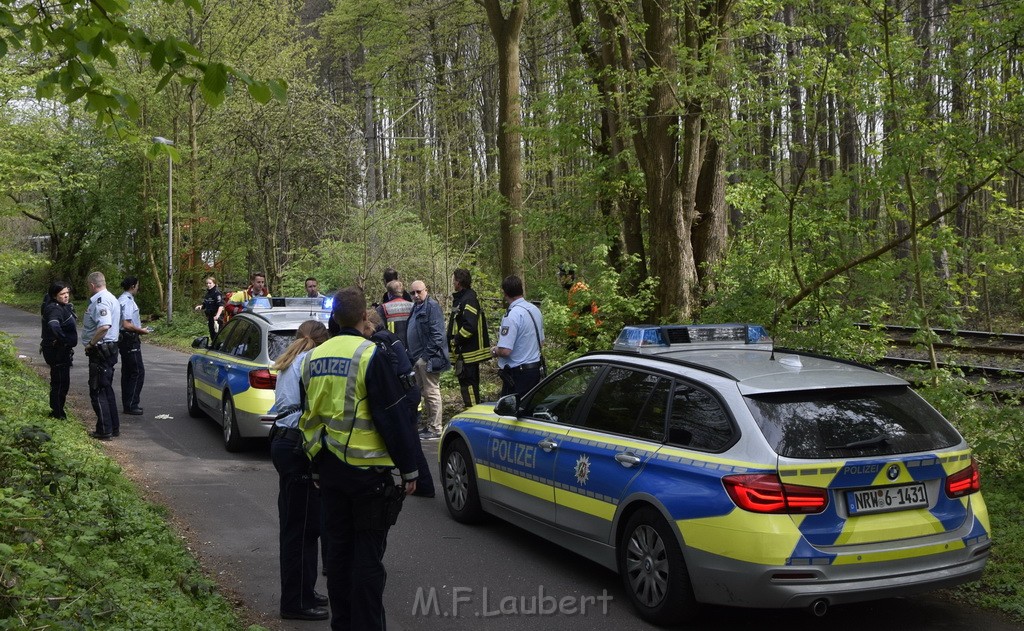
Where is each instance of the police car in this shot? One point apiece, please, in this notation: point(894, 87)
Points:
point(229, 378)
point(705, 466)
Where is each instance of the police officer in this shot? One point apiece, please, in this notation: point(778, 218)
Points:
point(355, 441)
point(60, 337)
point(133, 372)
point(100, 330)
point(468, 337)
point(298, 499)
point(519, 340)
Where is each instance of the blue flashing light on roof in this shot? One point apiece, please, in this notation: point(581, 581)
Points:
point(327, 303)
point(654, 338)
point(258, 302)
point(634, 337)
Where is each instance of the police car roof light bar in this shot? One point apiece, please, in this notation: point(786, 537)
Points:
point(652, 337)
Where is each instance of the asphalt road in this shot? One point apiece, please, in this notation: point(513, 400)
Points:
point(441, 574)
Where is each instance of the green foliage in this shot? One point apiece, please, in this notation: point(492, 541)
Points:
point(22, 272)
point(78, 547)
point(570, 332)
point(1000, 588)
point(91, 39)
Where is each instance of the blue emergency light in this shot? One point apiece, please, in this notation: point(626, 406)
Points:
point(652, 337)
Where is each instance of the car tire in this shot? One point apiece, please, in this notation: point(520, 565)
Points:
point(459, 480)
point(191, 397)
point(653, 570)
point(232, 439)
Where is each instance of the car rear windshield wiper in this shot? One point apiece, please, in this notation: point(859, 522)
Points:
point(878, 439)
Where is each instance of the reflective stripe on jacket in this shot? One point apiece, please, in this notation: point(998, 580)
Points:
point(337, 411)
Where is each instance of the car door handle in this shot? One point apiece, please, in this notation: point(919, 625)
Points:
point(626, 459)
point(547, 445)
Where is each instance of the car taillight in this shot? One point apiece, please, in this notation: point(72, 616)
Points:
point(763, 493)
point(964, 482)
point(262, 379)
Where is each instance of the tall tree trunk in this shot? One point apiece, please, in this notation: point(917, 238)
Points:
point(506, 32)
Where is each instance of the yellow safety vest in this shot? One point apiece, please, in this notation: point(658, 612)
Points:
point(336, 412)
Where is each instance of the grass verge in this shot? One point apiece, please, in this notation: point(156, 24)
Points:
point(79, 547)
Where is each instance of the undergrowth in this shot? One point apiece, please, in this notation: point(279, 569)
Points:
point(79, 548)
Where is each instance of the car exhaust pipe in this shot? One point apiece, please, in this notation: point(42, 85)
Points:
point(819, 608)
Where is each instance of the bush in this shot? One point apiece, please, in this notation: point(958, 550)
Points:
point(78, 547)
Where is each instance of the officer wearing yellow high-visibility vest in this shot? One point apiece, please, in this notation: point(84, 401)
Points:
point(355, 439)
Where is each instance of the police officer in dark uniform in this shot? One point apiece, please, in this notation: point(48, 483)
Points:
point(59, 339)
point(100, 332)
point(355, 440)
point(129, 342)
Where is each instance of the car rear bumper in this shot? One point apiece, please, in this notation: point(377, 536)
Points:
point(717, 580)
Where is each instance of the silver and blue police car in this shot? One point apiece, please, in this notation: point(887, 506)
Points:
point(705, 466)
point(229, 377)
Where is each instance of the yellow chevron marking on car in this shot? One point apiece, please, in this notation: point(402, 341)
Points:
point(744, 536)
point(889, 526)
point(895, 555)
point(518, 482)
point(820, 477)
point(585, 502)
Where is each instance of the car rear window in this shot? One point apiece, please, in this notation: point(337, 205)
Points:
point(277, 342)
point(850, 423)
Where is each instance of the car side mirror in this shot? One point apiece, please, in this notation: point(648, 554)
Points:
point(201, 342)
point(507, 405)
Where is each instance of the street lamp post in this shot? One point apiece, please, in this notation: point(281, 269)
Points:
point(170, 227)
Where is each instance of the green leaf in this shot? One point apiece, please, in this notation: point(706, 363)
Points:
point(36, 43)
point(156, 58)
point(260, 92)
point(279, 88)
point(85, 48)
point(215, 79)
point(112, 7)
point(212, 97)
point(3, 47)
point(164, 81)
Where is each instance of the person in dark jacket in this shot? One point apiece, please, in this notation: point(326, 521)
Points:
point(60, 336)
point(393, 347)
point(213, 306)
point(468, 337)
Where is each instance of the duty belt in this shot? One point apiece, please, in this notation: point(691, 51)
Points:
point(290, 433)
point(529, 366)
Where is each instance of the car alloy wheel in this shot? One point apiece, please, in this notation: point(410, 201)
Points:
point(232, 441)
point(191, 397)
point(460, 489)
point(653, 569)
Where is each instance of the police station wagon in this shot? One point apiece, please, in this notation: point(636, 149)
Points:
point(229, 378)
point(705, 466)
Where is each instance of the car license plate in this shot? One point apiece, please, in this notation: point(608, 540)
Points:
point(886, 498)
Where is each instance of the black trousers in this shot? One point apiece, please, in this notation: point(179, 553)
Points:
point(101, 392)
point(298, 510)
point(469, 384)
point(523, 380)
point(60, 382)
point(355, 542)
point(133, 372)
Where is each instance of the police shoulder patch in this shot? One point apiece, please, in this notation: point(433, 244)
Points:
point(103, 312)
point(504, 330)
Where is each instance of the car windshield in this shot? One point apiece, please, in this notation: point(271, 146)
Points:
point(849, 423)
point(277, 342)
